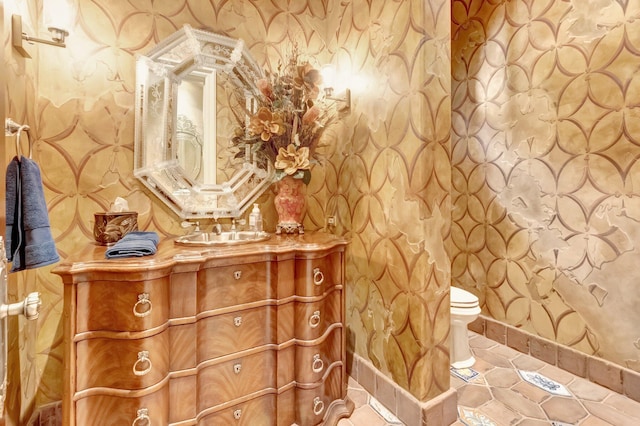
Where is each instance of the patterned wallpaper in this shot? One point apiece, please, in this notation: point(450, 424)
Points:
point(545, 149)
point(387, 179)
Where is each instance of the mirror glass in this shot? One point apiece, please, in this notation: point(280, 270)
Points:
point(192, 91)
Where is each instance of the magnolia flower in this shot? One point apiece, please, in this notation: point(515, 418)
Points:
point(308, 79)
point(266, 124)
point(265, 88)
point(291, 159)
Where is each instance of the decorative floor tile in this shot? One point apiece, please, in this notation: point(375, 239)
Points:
point(560, 424)
point(466, 374)
point(384, 413)
point(544, 383)
point(471, 417)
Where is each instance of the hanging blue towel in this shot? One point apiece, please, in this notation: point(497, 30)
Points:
point(134, 244)
point(29, 240)
point(13, 234)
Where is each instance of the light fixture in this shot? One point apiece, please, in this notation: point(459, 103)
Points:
point(328, 78)
point(58, 35)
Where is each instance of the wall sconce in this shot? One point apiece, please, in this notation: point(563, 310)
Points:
point(328, 77)
point(55, 19)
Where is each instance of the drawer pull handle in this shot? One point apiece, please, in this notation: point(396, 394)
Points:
point(142, 419)
point(237, 275)
point(237, 367)
point(318, 276)
point(318, 406)
point(237, 414)
point(237, 321)
point(138, 366)
point(143, 299)
point(314, 320)
point(317, 365)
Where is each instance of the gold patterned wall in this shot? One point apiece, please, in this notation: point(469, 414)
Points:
point(545, 149)
point(387, 178)
point(393, 191)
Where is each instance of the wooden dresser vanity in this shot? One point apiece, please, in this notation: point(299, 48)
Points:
point(251, 334)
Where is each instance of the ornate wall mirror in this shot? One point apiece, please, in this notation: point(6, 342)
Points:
point(191, 91)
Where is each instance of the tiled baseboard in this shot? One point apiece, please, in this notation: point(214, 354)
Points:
point(439, 411)
point(597, 370)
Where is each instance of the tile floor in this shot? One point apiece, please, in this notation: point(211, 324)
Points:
point(499, 395)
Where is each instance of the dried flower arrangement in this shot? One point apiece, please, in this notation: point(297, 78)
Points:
point(290, 119)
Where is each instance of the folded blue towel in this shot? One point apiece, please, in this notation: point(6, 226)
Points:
point(134, 244)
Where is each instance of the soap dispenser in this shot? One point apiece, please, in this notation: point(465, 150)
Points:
point(255, 219)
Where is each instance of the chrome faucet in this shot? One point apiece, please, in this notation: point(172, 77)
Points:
point(186, 224)
point(233, 229)
point(217, 228)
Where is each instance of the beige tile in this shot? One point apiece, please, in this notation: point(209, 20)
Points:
point(495, 331)
point(543, 349)
point(366, 416)
point(631, 384)
point(505, 351)
point(518, 403)
point(502, 377)
point(385, 392)
point(572, 361)
point(480, 342)
point(450, 408)
point(625, 405)
point(562, 409)
point(517, 340)
point(557, 374)
point(473, 396)
point(608, 414)
point(492, 358)
point(366, 376)
point(409, 412)
point(594, 421)
point(359, 396)
point(477, 326)
point(526, 362)
point(584, 389)
point(605, 373)
point(482, 366)
point(532, 393)
point(496, 410)
point(533, 422)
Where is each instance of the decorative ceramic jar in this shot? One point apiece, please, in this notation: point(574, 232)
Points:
point(109, 227)
point(290, 203)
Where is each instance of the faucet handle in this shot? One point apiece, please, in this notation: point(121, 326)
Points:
point(186, 224)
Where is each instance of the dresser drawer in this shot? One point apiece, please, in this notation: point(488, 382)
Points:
point(226, 286)
point(122, 363)
point(312, 319)
point(314, 277)
point(312, 403)
point(224, 334)
point(236, 378)
point(312, 362)
point(105, 410)
point(255, 412)
point(122, 305)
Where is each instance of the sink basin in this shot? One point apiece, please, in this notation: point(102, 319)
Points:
point(223, 238)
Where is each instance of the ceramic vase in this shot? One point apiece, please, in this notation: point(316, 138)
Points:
point(290, 203)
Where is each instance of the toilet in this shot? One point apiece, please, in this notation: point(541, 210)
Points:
point(464, 309)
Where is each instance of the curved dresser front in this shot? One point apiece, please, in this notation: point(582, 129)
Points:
point(246, 335)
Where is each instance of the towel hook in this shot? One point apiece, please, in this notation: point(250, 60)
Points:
point(18, 133)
